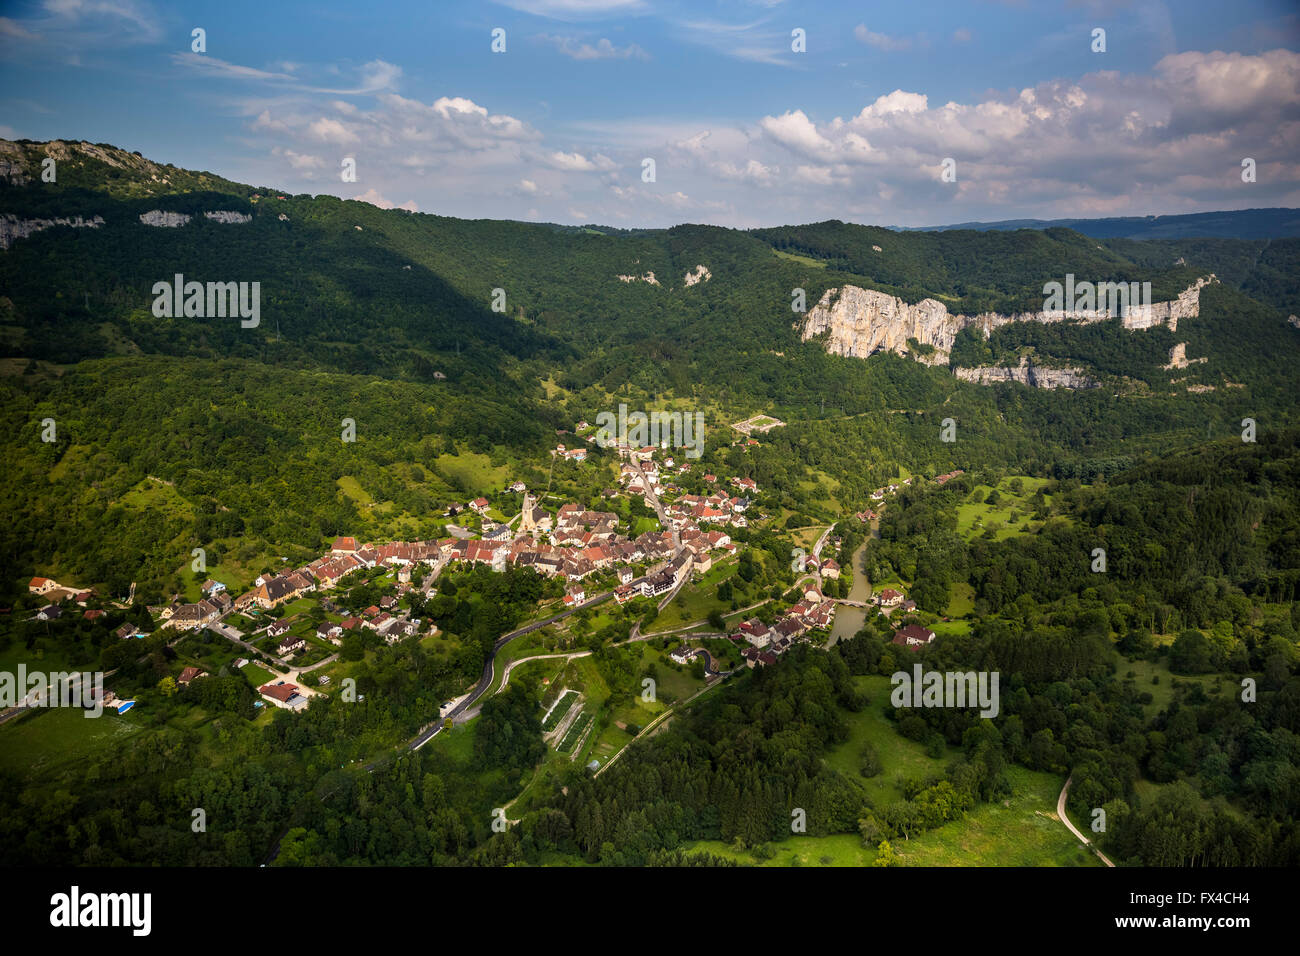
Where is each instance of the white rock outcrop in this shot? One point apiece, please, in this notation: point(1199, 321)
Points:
point(861, 322)
point(230, 218)
point(648, 277)
point(1178, 357)
point(1026, 373)
point(698, 274)
point(165, 220)
point(11, 227)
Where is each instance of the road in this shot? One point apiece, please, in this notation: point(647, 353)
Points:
point(1060, 812)
point(466, 710)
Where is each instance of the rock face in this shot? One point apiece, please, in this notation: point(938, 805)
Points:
point(230, 218)
point(11, 227)
point(1026, 373)
point(698, 274)
point(648, 277)
point(861, 322)
point(1178, 357)
point(167, 220)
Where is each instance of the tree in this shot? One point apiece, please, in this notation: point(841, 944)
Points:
point(885, 855)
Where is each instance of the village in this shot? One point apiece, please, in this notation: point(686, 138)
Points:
point(582, 548)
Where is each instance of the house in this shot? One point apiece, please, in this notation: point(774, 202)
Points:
point(92, 615)
point(290, 645)
point(575, 597)
point(211, 587)
point(42, 585)
point(189, 674)
point(128, 630)
point(682, 654)
point(766, 657)
point(51, 612)
point(517, 486)
point(890, 598)
point(657, 584)
point(278, 627)
point(81, 597)
point(329, 631)
point(624, 593)
point(813, 594)
point(479, 506)
point(624, 575)
point(344, 546)
point(283, 694)
point(830, 569)
point(913, 636)
point(755, 632)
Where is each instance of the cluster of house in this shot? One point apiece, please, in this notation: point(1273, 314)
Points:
point(867, 515)
point(880, 493)
point(187, 617)
point(944, 479)
point(912, 636)
point(827, 567)
point(56, 594)
point(689, 510)
point(767, 642)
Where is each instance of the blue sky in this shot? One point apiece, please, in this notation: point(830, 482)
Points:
point(743, 131)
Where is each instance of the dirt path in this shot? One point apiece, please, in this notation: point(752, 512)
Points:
point(1060, 812)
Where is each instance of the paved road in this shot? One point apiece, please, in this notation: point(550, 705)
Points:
point(466, 710)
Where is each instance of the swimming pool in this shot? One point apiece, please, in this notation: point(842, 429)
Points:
point(125, 706)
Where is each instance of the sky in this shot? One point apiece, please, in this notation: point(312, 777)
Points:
point(1039, 114)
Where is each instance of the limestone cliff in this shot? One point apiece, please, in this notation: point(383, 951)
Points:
point(1026, 373)
point(11, 227)
point(861, 322)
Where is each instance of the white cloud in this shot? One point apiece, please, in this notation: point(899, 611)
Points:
point(373, 197)
point(881, 41)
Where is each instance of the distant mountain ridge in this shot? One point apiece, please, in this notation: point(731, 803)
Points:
point(1266, 223)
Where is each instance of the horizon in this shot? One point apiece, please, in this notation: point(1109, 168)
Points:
point(1039, 121)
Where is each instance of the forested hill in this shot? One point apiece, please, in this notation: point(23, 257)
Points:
point(1273, 223)
point(349, 287)
point(443, 336)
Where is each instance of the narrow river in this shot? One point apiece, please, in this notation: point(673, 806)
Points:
point(849, 620)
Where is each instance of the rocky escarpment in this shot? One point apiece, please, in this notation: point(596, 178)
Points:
point(1026, 373)
point(166, 220)
point(1178, 357)
point(229, 218)
point(11, 227)
point(861, 322)
point(698, 274)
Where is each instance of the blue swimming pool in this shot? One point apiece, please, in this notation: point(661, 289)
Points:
point(125, 706)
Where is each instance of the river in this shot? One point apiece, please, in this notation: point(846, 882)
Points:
point(849, 620)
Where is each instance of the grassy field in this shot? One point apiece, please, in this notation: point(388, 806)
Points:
point(39, 745)
point(1163, 692)
point(1020, 830)
point(473, 471)
point(961, 602)
point(975, 517)
point(805, 260)
point(258, 675)
point(902, 759)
